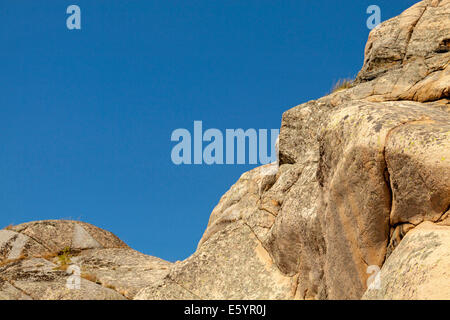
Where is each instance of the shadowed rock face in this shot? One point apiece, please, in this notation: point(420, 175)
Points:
point(362, 184)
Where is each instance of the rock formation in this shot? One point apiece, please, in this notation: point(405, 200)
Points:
point(362, 184)
point(36, 260)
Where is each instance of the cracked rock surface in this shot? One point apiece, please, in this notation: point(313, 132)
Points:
point(362, 184)
point(39, 260)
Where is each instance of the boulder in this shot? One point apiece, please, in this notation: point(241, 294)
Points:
point(362, 184)
point(231, 264)
point(124, 269)
point(419, 268)
point(40, 279)
point(55, 235)
point(39, 258)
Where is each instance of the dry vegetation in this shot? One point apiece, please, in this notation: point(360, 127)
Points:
point(63, 258)
point(90, 277)
point(8, 261)
point(342, 84)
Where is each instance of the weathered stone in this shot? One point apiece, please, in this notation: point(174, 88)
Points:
point(55, 235)
point(243, 202)
point(125, 270)
point(15, 245)
point(407, 57)
point(356, 186)
point(165, 290)
point(418, 159)
point(9, 292)
point(231, 264)
point(419, 268)
point(362, 182)
point(42, 280)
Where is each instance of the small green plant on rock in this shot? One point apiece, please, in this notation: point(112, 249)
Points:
point(64, 258)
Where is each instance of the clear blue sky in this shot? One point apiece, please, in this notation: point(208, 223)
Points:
point(86, 115)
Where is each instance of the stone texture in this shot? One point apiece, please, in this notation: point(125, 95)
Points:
point(419, 268)
point(125, 270)
point(55, 235)
point(38, 258)
point(165, 290)
point(232, 264)
point(243, 202)
point(14, 245)
point(360, 187)
point(40, 279)
point(408, 56)
point(362, 183)
point(9, 292)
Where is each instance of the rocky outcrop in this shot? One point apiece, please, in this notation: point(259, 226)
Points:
point(407, 57)
point(362, 185)
point(233, 264)
point(40, 279)
point(57, 259)
point(419, 268)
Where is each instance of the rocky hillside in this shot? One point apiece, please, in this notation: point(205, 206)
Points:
point(362, 185)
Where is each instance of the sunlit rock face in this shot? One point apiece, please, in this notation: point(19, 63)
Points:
point(357, 205)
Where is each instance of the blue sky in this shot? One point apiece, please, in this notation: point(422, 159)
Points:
point(86, 115)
